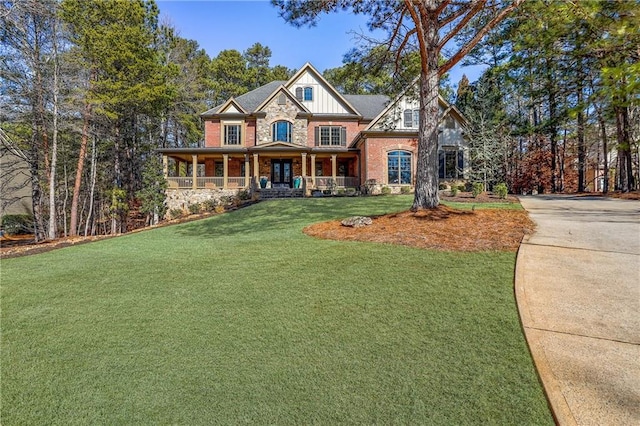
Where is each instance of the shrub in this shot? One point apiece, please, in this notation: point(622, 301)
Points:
point(341, 192)
point(477, 189)
point(454, 191)
point(244, 195)
point(385, 190)
point(405, 189)
point(219, 209)
point(501, 190)
point(351, 191)
point(195, 208)
point(17, 224)
point(175, 213)
point(462, 187)
point(442, 186)
point(209, 205)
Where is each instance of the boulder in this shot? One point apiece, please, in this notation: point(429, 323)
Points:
point(357, 221)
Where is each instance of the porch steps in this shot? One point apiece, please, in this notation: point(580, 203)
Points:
point(267, 193)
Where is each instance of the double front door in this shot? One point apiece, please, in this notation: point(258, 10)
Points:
point(281, 173)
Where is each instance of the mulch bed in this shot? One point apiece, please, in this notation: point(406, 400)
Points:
point(443, 228)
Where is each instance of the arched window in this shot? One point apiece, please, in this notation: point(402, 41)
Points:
point(308, 93)
point(281, 131)
point(399, 167)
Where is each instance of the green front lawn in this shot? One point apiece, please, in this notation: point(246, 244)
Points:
point(241, 318)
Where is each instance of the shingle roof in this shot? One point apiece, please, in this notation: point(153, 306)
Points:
point(251, 100)
point(369, 106)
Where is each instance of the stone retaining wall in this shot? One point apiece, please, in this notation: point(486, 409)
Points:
point(183, 198)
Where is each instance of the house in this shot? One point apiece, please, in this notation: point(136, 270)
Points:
point(299, 135)
point(15, 181)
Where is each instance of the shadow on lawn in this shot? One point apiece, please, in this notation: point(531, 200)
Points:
point(288, 215)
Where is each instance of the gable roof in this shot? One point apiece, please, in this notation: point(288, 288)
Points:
point(441, 101)
point(328, 86)
point(250, 100)
point(288, 94)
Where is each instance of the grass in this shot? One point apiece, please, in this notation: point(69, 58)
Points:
point(241, 318)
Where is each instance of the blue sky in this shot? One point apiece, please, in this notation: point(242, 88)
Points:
point(218, 25)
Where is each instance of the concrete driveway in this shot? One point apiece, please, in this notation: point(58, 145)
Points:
point(578, 293)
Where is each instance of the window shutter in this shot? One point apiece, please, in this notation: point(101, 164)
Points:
point(441, 164)
point(317, 133)
point(460, 163)
point(343, 136)
point(408, 118)
point(299, 93)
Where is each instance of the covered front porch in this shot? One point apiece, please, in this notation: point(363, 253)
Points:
point(244, 169)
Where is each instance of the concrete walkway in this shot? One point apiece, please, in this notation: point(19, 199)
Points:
point(578, 293)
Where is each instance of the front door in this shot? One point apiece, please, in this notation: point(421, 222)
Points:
point(281, 176)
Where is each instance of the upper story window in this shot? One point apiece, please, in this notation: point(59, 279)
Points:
point(282, 99)
point(449, 122)
point(281, 131)
point(411, 118)
point(304, 94)
point(232, 134)
point(308, 93)
point(331, 136)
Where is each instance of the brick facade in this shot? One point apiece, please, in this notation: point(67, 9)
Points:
point(375, 156)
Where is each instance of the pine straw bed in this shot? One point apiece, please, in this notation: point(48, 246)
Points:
point(443, 228)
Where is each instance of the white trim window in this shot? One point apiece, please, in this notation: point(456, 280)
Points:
point(399, 168)
point(411, 118)
point(232, 134)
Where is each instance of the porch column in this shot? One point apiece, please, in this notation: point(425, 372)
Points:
point(225, 171)
point(194, 172)
point(334, 167)
point(313, 169)
point(256, 166)
point(304, 165)
point(247, 174)
point(165, 166)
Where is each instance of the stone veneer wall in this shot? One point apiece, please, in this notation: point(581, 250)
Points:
point(182, 198)
point(275, 112)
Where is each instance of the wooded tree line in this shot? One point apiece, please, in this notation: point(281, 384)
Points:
point(90, 89)
point(558, 105)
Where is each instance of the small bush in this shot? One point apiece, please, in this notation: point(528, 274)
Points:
point(209, 205)
point(385, 190)
point(195, 208)
point(351, 191)
point(442, 186)
point(405, 189)
point(462, 187)
point(477, 189)
point(219, 209)
point(244, 195)
point(501, 190)
point(454, 191)
point(175, 213)
point(341, 192)
point(15, 224)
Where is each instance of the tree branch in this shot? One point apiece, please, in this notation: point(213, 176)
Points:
point(420, 31)
point(476, 39)
point(476, 6)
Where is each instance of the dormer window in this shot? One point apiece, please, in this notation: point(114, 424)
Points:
point(308, 93)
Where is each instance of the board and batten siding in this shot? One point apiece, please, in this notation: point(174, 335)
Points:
point(324, 101)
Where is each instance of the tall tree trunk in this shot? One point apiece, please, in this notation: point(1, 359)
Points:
point(426, 188)
point(582, 157)
point(86, 118)
point(54, 148)
point(605, 153)
point(624, 170)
